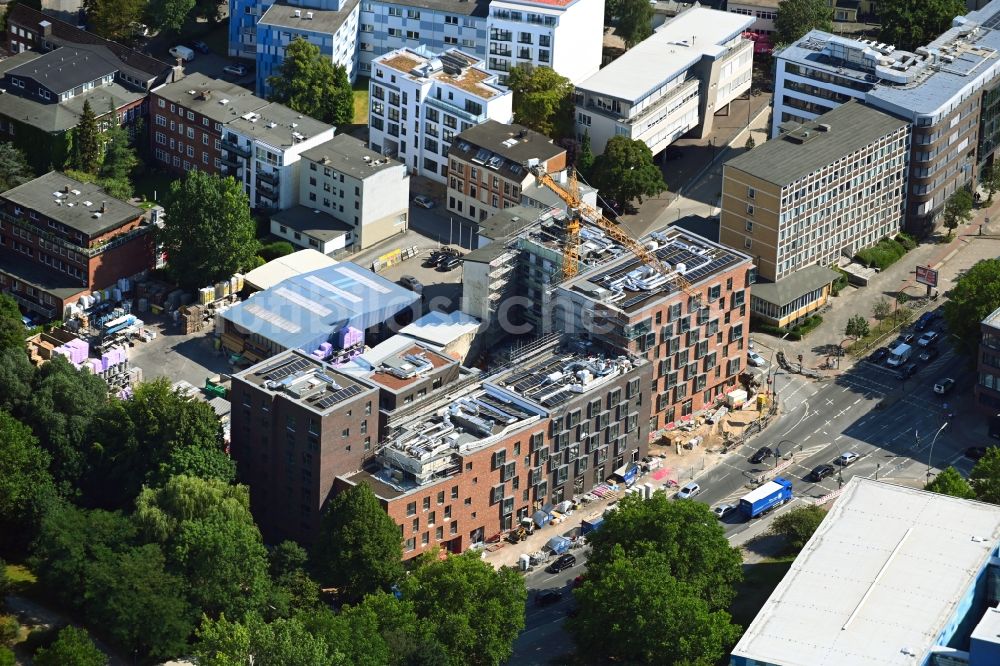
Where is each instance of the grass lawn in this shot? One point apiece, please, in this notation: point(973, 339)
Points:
point(21, 578)
point(759, 581)
point(153, 185)
point(361, 101)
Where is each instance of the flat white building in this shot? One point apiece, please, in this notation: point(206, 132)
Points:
point(368, 193)
point(565, 35)
point(669, 84)
point(275, 137)
point(420, 101)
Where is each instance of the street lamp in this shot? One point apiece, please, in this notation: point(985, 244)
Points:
point(931, 452)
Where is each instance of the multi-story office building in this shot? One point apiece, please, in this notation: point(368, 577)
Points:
point(420, 101)
point(822, 190)
point(988, 365)
point(564, 35)
point(60, 239)
point(694, 335)
point(669, 84)
point(484, 459)
point(763, 12)
point(489, 167)
point(946, 90)
point(366, 192)
point(188, 117)
point(262, 149)
point(296, 425)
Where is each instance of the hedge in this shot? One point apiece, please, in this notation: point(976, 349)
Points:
point(793, 333)
point(882, 255)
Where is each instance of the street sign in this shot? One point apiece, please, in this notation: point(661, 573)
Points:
point(927, 275)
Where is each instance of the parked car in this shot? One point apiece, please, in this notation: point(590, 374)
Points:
point(975, 452)
point(906, 371)
point(412, 283)
point(755, 359)
point(929, 354)
point(879, 355)
point(182, 53)
point(925, 320)
point(200, 46)
point(423, 201)
point(944, 385)
point(762, 454)
point(906, 338)
point(548, 597)
point(688, 491)
point(929, 338)
point(847, 459)
point(561, 563)
point(723, 510)
point(820, 472)
point(449, 263)
point(236, 69)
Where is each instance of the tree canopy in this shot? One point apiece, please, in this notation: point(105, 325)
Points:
point(25, 482)
point(311, 83)
point(359, 549)
point(208, 234)
point(72, 647)
point(857, 327)
point(985, 476)
point(909, 25)
point(543, 100)
point(14, 168)
point(634, 21)
point(957, 209)
point(12, 333)
point(114, 19)
point(797, 17)
point(798, 525)
point(168, 14)
point(86, 153)
point(951, 482)
point(975, 295)
point(625, 171)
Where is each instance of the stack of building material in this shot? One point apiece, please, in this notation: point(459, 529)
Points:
point(323, 351)
point(76, 351)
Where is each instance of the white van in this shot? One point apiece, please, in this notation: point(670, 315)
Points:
point(183, 53)
point(899, 355)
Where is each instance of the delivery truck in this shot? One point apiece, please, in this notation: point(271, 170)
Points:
point(763, 499)
point(899, 355)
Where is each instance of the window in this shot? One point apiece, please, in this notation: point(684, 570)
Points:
point(411, 509)
point(749, 209)
point(751, 193)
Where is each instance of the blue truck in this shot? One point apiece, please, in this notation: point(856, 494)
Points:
point(760, 501)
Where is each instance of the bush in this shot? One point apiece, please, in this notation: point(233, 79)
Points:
point(906, 240)
point(840, 282)
point(882, 255)
point(798, 525)
point(807, 326)
point(275, 250)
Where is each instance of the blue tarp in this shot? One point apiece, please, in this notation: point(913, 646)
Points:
point(302, 312)
point(559, 545)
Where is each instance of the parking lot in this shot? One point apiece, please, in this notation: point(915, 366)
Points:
point(442, 290)
point(176, 356)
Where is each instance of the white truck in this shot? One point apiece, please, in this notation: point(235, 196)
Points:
point(899, 355)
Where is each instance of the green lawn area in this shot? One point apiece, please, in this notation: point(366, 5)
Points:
point(153, 185)
point(361, 101)
point(20, 577)
point(759, 581)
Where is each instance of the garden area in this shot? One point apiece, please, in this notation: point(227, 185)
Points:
point(796, 332)
point(886, 252)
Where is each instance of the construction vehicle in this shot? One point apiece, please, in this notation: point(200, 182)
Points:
point(570, 194)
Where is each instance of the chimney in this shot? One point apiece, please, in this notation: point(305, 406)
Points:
point(104, 206)
point(65, 189)
point(205, 94)
point(46, 28)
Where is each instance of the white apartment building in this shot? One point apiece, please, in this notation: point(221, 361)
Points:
point(274, 137)
point(763, 11)
point(420, 101)
point(367, 192)
point(669, 84)
point(565, 35)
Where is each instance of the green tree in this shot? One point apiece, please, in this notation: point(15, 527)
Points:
point(909, 24)
point(985, 476)
point(358, 550)
point(72, 647)
point(12, 332)
point(114, 19)
point(209, 233)
point(115, 174)
point(797, 17)
point(25, 482)
point(632, 610)
point(210, 540)
point(6, 657)
point(990, 178)
point(476, 611)
point(857, 327)
point(975, 295)
point(686, 533)
point(881, 309)
point(284, 642)
point(951, 482)
point(14, 169)
point(957, 209)
point(750, 144)
point(625, 171)
point(634, 21)
point(292, 589)
point(310, 83)
point(543, 100)
point(16, 371)
point(168, 15)
point(585, 156)
point(610, 11)
point(798, 525)
point(86, 154)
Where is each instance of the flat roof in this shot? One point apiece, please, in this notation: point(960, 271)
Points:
point(504, 149)
point(441, 328)
point(39, 276)
point(277, 126)
point(322, 20)
point(349, 156)
point(406, 363)
point(316, 223)
point(508, 222)
point(795, 285)
point(423, 65)
point(667, 53)
point(878, 582)
point(817, 143)
point(219, 100)
point(75, 204)
point(303, 311)
point(480, 8)
point(282, 268)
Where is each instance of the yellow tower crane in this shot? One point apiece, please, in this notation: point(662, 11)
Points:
point(570, 194)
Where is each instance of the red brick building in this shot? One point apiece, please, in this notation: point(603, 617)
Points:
point(61, 239)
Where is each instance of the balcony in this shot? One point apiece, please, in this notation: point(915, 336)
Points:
point(271, 178)
point(455, 110)
point(500, 50)
point(233, 147)
point(501, 36)
point(231, 162)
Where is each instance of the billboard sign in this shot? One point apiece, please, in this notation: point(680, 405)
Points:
point(927, 275)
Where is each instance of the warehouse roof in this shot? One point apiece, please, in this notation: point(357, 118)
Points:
point(880, 583)
point(817, 143)
point(282, 268)
point(300, 310)
point(440, 329)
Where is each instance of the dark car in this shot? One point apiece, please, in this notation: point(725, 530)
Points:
point(449, 263)
point(820, 472)
point(925, 320)
point(200, 46)
point(929, 354)
point(879, 356)
point(906, 338)
point(563, 562)
point(412, 283)
point(906, 371)
point(762, 454)
point(548, 597)
point(438, 256)
point(975, 452)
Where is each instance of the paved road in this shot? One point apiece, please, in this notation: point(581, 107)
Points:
point(543, 636)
